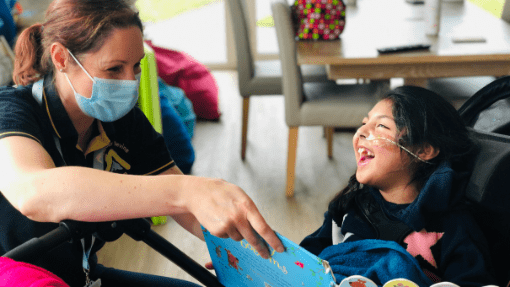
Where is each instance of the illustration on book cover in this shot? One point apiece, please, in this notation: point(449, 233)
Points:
point(237, 263)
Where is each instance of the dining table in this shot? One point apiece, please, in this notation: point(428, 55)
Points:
point(470, 42)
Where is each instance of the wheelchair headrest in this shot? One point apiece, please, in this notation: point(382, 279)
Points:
point(489, 180)
point(488, 108)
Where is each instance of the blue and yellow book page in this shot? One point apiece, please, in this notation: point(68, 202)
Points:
point(237, 263)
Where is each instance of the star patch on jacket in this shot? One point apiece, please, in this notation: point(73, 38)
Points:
point(419, 245)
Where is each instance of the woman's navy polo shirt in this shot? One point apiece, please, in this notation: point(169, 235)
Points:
point(129, 145)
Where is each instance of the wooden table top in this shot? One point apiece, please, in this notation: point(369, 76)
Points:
point(373, 24)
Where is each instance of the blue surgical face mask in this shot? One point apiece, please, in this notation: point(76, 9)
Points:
point(110, 100)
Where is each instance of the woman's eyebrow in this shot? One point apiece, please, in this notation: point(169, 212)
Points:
point(106, 62)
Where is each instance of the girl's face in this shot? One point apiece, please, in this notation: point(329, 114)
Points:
point(381, 164)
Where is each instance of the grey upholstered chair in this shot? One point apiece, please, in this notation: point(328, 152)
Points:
point(323, 104)
point(258, 77)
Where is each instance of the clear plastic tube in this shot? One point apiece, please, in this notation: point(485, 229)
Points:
point(373, 138)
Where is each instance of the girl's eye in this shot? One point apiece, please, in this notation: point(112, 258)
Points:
point(382, 126)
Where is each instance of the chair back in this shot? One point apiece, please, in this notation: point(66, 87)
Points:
point(245, 66)
point(489, 196)
point(292, 83)
point(489, 109)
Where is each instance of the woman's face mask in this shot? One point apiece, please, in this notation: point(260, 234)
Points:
point(110, 99)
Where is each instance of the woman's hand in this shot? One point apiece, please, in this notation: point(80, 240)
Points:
point(226, 211)
point(209, 265)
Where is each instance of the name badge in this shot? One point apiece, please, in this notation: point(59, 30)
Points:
point(96, 283)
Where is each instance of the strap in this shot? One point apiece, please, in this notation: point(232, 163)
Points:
point(37, 93)
point(385, 228)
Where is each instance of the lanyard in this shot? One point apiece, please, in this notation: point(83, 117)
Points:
point(85, 261)
point(37, 92)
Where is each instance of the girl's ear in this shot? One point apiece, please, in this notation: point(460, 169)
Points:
point(428, 152)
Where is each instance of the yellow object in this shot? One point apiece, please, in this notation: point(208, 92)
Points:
point(267, 21)
point(159, 10)
point(495, 7)
point(148, 100)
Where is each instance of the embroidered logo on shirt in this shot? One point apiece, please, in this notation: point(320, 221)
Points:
point(420, 243)
point(115, 163)
point(109, 160)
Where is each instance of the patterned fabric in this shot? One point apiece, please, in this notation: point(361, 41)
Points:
point(319, 19)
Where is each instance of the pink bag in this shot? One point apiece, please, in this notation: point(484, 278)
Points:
point(20, 274)
point(178, 69)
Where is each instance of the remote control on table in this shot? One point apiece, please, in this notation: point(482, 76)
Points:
point(404, 48)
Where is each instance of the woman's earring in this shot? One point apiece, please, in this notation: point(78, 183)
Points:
point(61, 70)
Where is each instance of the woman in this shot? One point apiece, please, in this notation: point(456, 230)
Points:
point(79, 76)
point(407, 189)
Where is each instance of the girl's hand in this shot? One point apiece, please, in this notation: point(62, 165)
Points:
point(226, 211)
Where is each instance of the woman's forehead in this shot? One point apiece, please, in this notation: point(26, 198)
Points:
point(122, 45)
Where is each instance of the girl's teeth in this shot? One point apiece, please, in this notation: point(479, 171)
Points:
point(362, 150)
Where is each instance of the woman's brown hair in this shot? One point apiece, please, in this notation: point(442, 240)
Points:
point(79, 25)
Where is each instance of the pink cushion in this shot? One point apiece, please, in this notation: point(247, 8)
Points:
point(178, 69)
point(20, 274)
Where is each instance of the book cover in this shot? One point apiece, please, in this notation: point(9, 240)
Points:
point(237, 263)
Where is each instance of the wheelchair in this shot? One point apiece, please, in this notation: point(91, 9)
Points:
point(487, 115)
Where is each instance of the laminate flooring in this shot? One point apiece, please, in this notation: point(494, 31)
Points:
point(262, 175)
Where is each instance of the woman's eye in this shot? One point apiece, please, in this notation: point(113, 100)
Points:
point(382, 126)
point(115, 69)
point(137, 68)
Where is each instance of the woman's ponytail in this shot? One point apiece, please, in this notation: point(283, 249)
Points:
point(28, 50)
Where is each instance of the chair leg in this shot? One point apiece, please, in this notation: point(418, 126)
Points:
point(291, 161)
point(244, 135)
point(329, 138)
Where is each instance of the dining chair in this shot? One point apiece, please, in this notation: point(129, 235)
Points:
point(505, 14)
point(258, 78)
point(316, 104)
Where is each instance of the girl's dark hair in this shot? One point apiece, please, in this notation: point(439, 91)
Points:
point(79, 25)
point(422, 117)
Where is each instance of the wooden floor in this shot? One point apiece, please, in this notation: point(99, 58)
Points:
point(262, 175)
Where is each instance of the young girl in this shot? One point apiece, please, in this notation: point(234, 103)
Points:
point(407, 188)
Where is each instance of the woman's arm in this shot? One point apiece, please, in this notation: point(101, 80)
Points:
point(42, 192)
point(187, 220)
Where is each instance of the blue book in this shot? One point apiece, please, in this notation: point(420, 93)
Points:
point(237, 263)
